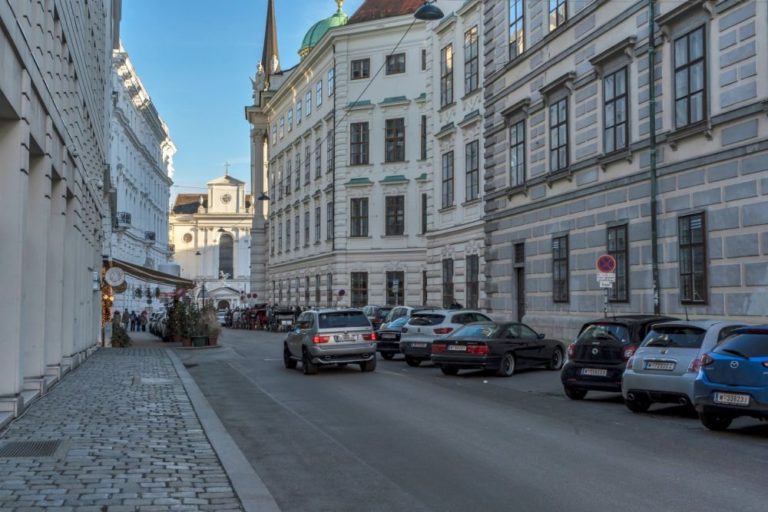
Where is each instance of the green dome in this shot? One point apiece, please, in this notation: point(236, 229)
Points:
point(319, 29)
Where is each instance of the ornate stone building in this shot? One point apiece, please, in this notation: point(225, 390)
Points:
point(570, 154)
point(54, 125)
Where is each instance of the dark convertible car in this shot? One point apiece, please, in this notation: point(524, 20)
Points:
point(502, 347)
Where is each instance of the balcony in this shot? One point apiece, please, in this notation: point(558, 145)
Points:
point(123, 220)
point(149, 236)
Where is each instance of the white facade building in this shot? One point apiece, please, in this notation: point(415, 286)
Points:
point(345, 135)
point(141, 156)
point(211, 235)
point(54, 121)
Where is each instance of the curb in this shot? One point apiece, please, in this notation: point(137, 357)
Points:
point(253, 494)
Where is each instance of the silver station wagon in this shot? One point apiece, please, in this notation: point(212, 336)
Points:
point(665, 366)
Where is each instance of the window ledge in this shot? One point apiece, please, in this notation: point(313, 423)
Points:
point(614, 156)
point(472, 93)
point(447, 209)
point(367, 164)
point(403, 236)
point(702, 127)
point(396, 162)
point(560, 174)
point(472, 202)
point(447, 106)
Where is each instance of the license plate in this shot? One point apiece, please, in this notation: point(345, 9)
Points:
point(346, 337)
point(285, 322)
point(419, 345)
point(387, 336)
point(595, 372)
point(457, 348)
point(731, 399)
point(660, 365)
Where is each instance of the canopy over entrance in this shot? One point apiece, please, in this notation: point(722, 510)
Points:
point(148, 274)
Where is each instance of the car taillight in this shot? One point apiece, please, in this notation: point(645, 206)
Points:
point(371, 336)
point(695, 365)
point(438, 348)
point(481, 350)
point(705, 360)
point(629, 351)
point(443, 330)
point(320, 339)
point(571, 350)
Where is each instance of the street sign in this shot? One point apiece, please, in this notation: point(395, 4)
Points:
point(606, 284)
point(606, 264)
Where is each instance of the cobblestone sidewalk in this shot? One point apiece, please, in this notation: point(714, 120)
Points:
point(131, 442)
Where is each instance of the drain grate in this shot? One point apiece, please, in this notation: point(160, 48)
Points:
point(16, 449)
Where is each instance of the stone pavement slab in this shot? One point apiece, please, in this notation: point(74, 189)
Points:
point(131, 441)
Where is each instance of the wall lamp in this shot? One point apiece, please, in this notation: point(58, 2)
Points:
point(429, 12)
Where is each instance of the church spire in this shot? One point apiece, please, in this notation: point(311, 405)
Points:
point(270, 58)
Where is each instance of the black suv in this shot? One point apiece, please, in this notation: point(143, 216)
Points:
point(598, 357)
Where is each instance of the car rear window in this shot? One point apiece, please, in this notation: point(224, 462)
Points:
point(343, 319)
point(607, 331)
point(426, 319)
point(475, 331)
point(382, 312)
point(745, 345)
point(396, 324)
point(675, 336)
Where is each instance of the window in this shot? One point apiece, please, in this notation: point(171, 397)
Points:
point(298, 293)
point(272, 240)
point(319, 93)
point(423, 154)
point(395, 292)
point(318, 222)
point(359, 144)
point(690, 79)
point(308, 103)
point(279, 236)
point(297, 232)
point(516, 28)
point(290, 120)
point(423, 214)
point(329, 232)
point(394, 140)
point(298, 111)
point(517, 154)
point(615, 126)
point(287, 235)
point(558, 135)
point(359, 217)
point(331, 81)
point(472, 151)
point(471, 66)
point(331, 151)
point(280, 292)
point(558, 13)
point(226, 255)
point(318, 157)
point(447, 283)
point(274, 132)
point(306, 228)
point(424, 287)
point(288, 174)
point(446, 75)
point(617, 247)
point(329, 289)
point(282, 127)
point(560, 269)
point(423, 59)
point(693, 259)
point(395, 215)
point(361, 68)
point(317, 290)
point(298, 167)
point(395, 64)
point(307, 162)
point(447, 179)
point(359, 289)
point(473, 281)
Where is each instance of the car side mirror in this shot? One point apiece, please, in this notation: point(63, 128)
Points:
point(540, 336)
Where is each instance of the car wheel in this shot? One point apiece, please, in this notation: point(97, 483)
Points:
point(449, 371)
point(507, 365)
point(715, 421)
point(387, 355)
point(307, 365)
point(574, 393)
point(640, 403)
point(368, 366)
point(412, 361)
point(556, 361)
point(288, 361)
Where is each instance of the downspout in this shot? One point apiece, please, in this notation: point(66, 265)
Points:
point(652, 170)
point(333, 171)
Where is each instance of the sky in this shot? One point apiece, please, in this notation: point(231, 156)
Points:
point(196, 58)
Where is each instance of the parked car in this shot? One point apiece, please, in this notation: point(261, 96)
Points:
point(598, 357)
point(665, 366)
point(376, 314)
point(733, 380)
point(426, 325)
point(331, 336)
point(404, 311)
point(389, 338)
point(502, 347)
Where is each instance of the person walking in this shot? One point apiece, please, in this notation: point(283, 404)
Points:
point(143, 321)
point(126, 319)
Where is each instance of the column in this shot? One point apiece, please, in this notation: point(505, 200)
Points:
point(55, 276)
point(259, 229)
point(68, 291)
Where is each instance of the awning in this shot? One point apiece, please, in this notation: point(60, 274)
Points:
point(150, 275)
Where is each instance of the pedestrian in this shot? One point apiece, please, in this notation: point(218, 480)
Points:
point(143, 321)
point(126, 319)
point(116, 319)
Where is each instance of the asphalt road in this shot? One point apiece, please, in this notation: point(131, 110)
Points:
point(412, 439)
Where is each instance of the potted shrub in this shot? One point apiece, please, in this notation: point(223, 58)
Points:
point(212, 325)
point(196, 328)
point(120, 338)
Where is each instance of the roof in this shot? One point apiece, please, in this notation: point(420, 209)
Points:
point(378, 9)
point(270, 57)
point(631, 319)
point(319, 29)
point(226, 180)
point(189, 203)
point(702, 324)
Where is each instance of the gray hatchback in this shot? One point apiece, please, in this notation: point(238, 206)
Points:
point(331, 337)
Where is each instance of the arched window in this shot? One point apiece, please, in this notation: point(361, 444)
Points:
point(225, 255)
